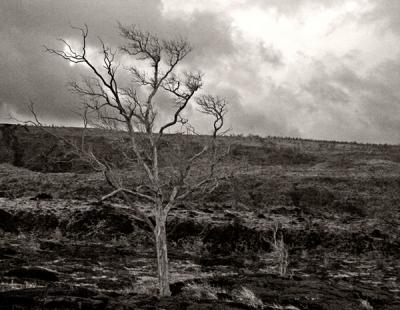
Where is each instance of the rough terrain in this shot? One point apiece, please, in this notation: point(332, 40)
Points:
point(335, 206)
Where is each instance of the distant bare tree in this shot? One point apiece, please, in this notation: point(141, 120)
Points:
point(134, 109)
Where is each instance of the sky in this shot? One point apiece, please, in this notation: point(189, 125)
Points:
point(320, 69)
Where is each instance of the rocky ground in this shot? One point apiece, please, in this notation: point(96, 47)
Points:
point(79, 254)
point(317, 229)
point(60, 254)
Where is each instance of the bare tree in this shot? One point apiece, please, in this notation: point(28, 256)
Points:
point(135, 109)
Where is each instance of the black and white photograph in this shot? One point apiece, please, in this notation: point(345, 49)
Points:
point(200, 155)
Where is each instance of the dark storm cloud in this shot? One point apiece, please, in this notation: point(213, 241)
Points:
point(27, 25)
point(209, 34)
point(271, 89)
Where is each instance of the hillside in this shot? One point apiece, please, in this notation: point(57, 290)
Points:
point(34, 149)
point(335, 205)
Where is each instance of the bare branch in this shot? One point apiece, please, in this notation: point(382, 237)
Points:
point(216, 107)
point(193, 83)
point(113, 193)
point(141, 44)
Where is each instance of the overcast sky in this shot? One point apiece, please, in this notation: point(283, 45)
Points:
point(325, 69)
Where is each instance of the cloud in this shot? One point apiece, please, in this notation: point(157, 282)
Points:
point(317, 69)
point(386, 13)
point(209, 33)
point(26, 26)
point(290, 7)
point(360, 107)
point(270, 54)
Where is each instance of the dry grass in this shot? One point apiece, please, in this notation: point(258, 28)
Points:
point(121, 241)
point(203, 290)
point(7, 286)
point(246, 296)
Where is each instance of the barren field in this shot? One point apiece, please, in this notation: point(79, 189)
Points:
point(301, 225)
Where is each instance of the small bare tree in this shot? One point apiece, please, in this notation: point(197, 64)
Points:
point(134, 108)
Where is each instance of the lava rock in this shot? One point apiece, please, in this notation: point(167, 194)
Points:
point(33, 273)
point(237, 262)
point(38, 221)
point(286, 211)
point(6, 251)
point(183, 228)
point(376, 233)
point(233, 237)
point(7, 222)
point(18, 299)
point(42, 196)
point(67, 302)
point(108, 218)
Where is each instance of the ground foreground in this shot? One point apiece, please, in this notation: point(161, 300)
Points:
point(299, 226)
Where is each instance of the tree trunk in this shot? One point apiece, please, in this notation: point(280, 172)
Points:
point(162, 254)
